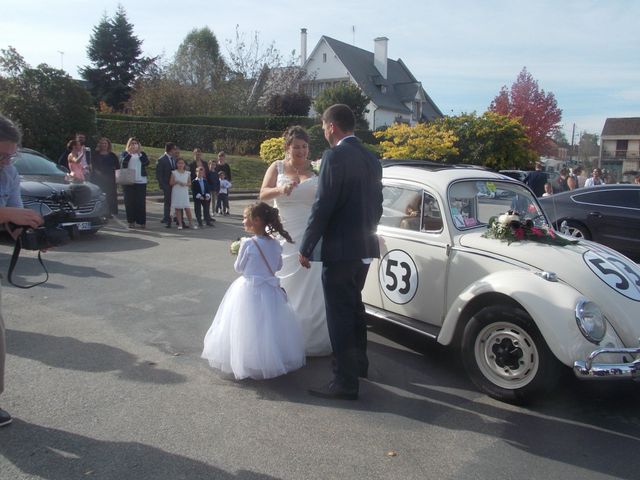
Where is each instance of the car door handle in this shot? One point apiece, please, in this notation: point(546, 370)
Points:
point(595, 214)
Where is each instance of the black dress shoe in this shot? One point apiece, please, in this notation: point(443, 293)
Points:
point(334, 391)
point(5, 418)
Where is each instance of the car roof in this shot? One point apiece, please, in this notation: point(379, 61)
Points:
point(437, 174)
point(596, 188)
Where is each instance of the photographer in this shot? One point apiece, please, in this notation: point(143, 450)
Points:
point(11, 211)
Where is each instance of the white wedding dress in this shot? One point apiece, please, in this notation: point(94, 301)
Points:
point(303, 286)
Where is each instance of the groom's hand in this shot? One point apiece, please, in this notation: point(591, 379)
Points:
point(304, 261)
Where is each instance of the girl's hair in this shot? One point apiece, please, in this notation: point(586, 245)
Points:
point(105, 139)
point(295, 133)
point(271, 218)
point(72, 143)
point(132, 139)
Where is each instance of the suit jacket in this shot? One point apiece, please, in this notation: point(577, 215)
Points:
point(536, 180)
point(163, 171)
point(195, 188)
point(348, 205)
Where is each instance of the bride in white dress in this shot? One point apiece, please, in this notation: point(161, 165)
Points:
point(292, 185)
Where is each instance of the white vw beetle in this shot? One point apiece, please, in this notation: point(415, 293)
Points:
point(518, 309)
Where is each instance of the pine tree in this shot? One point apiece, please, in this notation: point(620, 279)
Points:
point(115, 53)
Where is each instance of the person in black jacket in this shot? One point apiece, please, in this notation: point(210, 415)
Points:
point(201, 197)
point(536, 180)
point(223, 166)
point(135, 196)
point(345, 214)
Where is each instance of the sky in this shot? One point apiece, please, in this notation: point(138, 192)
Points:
point(586, 52)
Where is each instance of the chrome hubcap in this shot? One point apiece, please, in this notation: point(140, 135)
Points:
point(506, 355)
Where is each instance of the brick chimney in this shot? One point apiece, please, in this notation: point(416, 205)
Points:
point(380, 55)
point(303, 46)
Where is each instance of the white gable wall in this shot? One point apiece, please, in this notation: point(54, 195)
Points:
point(323, 64)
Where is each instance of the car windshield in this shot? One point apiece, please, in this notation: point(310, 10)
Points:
point(474, 202)
point(28, 163)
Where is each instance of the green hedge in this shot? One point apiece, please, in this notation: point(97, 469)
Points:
point(279, 124)
point(239, 141)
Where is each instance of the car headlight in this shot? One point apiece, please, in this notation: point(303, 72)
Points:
point(591, 321)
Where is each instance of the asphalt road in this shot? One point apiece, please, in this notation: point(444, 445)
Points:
point(105, 380)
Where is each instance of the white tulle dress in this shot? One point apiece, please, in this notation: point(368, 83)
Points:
point(304, 286)
point(180, 193)
point(255, 333)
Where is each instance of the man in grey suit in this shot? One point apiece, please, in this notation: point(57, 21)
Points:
point(345, 214)
point(165, 165)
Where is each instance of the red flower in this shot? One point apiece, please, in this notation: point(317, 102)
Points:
point(537, 232)
point(519, 233)
point(552, 234)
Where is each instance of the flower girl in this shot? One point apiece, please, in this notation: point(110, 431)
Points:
point(255, 333)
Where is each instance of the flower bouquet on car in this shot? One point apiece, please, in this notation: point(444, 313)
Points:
point(509, 228)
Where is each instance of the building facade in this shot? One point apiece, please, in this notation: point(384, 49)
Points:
point(620, 148)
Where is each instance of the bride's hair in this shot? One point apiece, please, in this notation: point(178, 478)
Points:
point(271, 218)
point(295, 133)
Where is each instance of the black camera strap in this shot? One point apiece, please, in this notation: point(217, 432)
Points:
point(14, 261)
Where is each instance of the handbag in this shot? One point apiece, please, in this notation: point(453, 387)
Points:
point(284, 292)
point(125, 176)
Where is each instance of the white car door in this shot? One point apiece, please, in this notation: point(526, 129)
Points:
point(409, 280)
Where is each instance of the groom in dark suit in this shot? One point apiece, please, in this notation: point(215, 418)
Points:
point(346, 212)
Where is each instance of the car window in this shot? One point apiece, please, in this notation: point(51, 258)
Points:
point(28, 163)
point(401, 207)
point(431, 214)
point(619, 198)
point(472, 203)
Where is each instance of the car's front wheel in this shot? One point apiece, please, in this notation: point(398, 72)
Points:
point(505, 355)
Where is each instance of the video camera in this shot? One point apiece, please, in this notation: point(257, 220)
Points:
point(48, 235)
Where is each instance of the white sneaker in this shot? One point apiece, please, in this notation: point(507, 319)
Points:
point(195, 227)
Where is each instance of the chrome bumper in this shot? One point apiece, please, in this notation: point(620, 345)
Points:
point(588, 370)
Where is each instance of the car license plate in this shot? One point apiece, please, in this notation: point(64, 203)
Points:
point(84, 226)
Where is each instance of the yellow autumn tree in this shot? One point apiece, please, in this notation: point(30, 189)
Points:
point(426, 141)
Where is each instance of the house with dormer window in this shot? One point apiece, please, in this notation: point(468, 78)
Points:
point(620, 147)
point(396, 95)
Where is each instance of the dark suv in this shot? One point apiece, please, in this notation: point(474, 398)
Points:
point(79, 207)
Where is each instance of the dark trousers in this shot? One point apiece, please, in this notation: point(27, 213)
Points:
point(343, 283)
point(166, 216)
point(135, 198)
point(222, 203)
point(199, 206)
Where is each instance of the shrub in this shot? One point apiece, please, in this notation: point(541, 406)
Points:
point(240, 141)
point(264, 122)
point(317, 142)
point(272, 149)
point(289, 104)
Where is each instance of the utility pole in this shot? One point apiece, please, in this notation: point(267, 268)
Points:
point(61, 59)
point(573, 134)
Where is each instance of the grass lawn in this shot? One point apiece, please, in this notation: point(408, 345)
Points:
point(246, 172)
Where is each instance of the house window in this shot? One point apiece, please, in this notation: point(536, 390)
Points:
point(621, 148)
point(324, 58)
